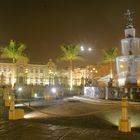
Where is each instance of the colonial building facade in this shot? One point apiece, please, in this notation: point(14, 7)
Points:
point(47, 74)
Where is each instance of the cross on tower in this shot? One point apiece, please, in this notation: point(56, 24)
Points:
point(129, 18)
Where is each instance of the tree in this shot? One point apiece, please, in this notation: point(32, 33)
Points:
point(70, 53)
point(13, 51)
point(109, 56)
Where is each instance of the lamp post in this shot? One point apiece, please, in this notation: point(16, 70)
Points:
point(15, 114)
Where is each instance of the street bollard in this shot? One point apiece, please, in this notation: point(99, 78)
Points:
point(15, 114)
point(6, 96)
point(124, 122)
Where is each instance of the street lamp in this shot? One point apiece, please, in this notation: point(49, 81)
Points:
point(53, 90)
point(19, 92)
point(87, 49)
point(20, 89)
point(82, 48)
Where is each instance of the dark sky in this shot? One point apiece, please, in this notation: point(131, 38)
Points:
point(43, 25)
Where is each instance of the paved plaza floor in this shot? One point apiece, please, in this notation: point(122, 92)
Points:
point(70, 119)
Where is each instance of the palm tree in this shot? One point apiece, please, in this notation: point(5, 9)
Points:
point(70, 53)
point(109, 56)
point(13, 51)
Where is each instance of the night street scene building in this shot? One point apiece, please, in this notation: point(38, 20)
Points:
point(47, 74)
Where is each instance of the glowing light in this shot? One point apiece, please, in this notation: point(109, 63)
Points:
point(9, 97)
point(113, 118)
point(32, 115)
point(35, 95)
point(121, 81)
point(28, 116)
point(121, 66)
point(89, 49)
point(53, 90)
point(35, 114)
point(50, 72)
point(20, 89)
point(19, 105)
point(82, 48)
point(26, 71)
point(135, 122)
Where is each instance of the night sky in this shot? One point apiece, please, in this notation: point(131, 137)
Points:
point(43, 25)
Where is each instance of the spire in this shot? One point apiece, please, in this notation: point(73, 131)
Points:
point(129, 18)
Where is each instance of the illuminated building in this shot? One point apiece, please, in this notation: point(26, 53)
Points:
point(24, 73)
point(47, 74)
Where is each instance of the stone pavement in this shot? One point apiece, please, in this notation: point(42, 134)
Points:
point(92, 127)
